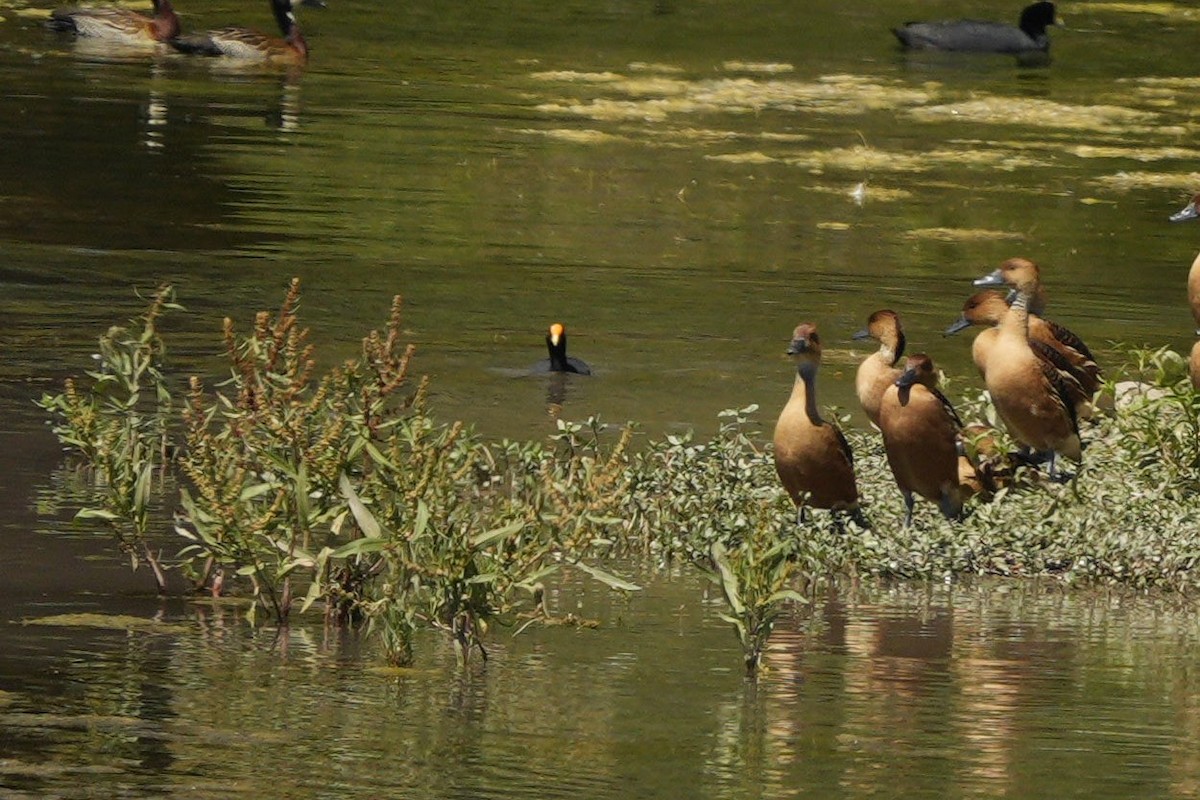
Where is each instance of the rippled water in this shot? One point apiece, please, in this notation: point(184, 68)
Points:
point(680, 184)
point(965, 692)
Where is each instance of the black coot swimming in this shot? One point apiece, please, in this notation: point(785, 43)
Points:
point(559, 361)
point(980, 36)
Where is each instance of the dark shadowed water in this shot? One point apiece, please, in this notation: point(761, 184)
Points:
point(681, 183)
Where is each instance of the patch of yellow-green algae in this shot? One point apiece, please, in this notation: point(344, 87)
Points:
point(960, 234)
point(650, 66)
point(763, 68)
point(575, 135)
point(865, 159)
point(107, 621)
point(1185, 182)
point(1170, 10)
point(865, 192)
point(1039, 113)
point(655, 98)
point(1133, 153)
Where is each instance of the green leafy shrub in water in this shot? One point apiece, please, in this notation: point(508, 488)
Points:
point(345, 484)
point(119, 423)
point(344, 481)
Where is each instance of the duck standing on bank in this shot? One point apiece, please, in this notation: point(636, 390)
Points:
point(1029, 394)
point(812, 457)
point(982, 36)
point(922, 439)
point(1080, 373)
point(251, 45)
point(118, 25)
point(878, 371)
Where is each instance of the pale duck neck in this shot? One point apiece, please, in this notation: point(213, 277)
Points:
point(1016, 321)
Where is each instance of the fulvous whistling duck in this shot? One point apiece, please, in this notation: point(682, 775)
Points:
point(812, 456)
point(921, 436)
point(989, 307)
point(559, 361)
point(1028, 392)
point(251, 45)
point(878, 371)
point(1057, 336)
point(118, 24)
point(980, 36)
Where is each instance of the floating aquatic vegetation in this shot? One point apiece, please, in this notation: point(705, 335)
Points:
point(1128, 181)
point(869, 159)
point(1038, 113)
point(115, 622)
point(1133, 153)
point(642, 66)
point(1172, 10)
point(1164, 83)
point(960, 234)
point(576, 136)
point(766, 68)
point(659, 98)
point(864, 192)
point(574, 76)
point(755, 157)
point(710, 135)
point(833, 226)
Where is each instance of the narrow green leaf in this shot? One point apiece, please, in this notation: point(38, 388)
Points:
point(364, 518)
point(497, 534)
point(251, 492)
point(422, 521)
point(608, 578)
point(314, 591)
point(96, 513)
point(359, 546)
point(729, 583)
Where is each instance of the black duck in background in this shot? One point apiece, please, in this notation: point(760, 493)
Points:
point(982, 36)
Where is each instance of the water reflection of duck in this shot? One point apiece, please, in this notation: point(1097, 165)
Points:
point(559, 361)
point(812, 457)
point(980, 36)
point(118, 24)
point(1048, 340)
point(1028, 392)
point(878, 371)
point(921, 433)
point(251, 45)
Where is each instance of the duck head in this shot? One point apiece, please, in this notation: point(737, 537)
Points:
point(982, 308)
point(1035, 18)
point(805, 348)
point(884, 327)
point(1019, 273)
point(918, 368)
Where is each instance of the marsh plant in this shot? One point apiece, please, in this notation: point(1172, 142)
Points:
point(339, 489)
point(339, 486)
point(119, 422)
